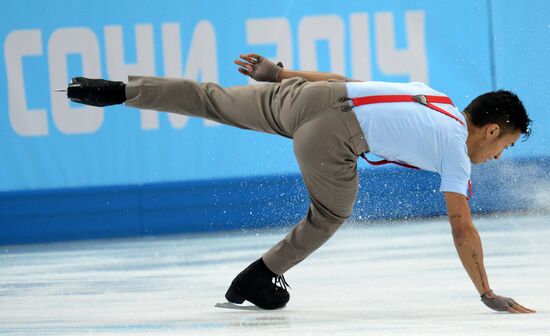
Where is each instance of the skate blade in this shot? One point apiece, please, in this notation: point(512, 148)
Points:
point(59, 90)
point(230, 305)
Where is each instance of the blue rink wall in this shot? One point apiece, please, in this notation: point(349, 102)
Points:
point(75, 172)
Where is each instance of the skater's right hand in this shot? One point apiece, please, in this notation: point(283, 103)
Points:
point(259, 68)
point(501, 303)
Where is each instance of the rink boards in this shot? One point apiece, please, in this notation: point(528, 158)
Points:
point(254, 202)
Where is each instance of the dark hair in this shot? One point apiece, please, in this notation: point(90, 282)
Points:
point(500, 107)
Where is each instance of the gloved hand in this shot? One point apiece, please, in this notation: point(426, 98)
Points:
point(259, 68)
point(501, 303)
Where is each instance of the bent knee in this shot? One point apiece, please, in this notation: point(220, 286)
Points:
point(329, 217)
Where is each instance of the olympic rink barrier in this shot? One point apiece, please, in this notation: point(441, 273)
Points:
point(74, 172)
point(252, 203)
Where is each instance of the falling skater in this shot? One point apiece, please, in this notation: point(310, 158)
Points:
point(333, 121)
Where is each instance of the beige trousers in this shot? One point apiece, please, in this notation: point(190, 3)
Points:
point(326, 135)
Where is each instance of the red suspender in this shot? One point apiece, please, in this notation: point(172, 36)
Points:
point(383, 162)
point(428, 101)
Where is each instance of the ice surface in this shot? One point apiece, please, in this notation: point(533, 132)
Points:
point(398, 278)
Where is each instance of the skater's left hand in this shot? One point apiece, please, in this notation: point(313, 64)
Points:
point(501, 303)
point(259, 68)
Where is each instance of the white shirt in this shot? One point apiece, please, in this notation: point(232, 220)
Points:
point(415, 134)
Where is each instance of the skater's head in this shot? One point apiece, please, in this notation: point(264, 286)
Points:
point(495, 122)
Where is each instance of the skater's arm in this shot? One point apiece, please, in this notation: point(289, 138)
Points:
point(313, 76)
point(468, 246)
point(466, 239)
point(263, 70)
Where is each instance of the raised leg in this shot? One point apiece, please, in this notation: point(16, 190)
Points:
point(247, 107)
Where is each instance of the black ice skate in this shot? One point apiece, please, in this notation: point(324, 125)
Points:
point(257, 284)
point(96, 92)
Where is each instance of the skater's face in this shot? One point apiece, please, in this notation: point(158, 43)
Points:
point(489, 142)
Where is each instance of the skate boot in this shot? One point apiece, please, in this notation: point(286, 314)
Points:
point(96, 92)
point(257, 284)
